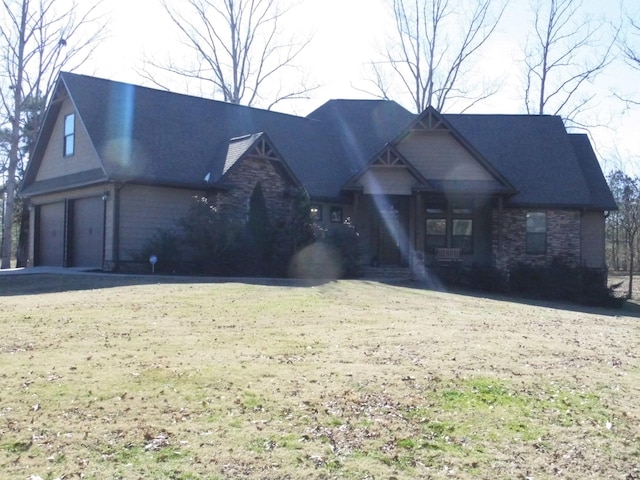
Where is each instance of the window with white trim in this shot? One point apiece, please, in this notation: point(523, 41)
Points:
point(69, 135)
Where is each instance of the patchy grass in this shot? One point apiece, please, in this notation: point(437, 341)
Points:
point(154, 377)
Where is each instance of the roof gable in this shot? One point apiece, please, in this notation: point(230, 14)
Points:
point(413, 149)
point(533, 152)
point(257, 145)
point(387, 161)
point(153, 136)
point(48, 169)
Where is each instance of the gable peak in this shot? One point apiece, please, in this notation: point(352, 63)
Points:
point(389, 157)
point(430, 120)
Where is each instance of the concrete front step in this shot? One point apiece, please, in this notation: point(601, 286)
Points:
point(386, 272)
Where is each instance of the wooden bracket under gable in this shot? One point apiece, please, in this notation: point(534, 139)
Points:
point(389, 158)
point(430, 122)
point(264, 149)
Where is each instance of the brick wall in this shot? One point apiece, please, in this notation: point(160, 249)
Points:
point(243, 179)
point(563, 238)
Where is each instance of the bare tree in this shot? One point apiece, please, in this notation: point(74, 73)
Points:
point(630, 50)
point(237, 49)
point(630, 47)
point(37, 39)
point(567, 51)
point(432, 46)
point(626, 191)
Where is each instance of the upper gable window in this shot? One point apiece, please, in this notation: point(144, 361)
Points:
point(69, 134)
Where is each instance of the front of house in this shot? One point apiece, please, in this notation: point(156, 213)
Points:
point(116, 162)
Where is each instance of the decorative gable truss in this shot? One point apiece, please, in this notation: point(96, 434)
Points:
point(388, 172)
point(389, 157)
point(263, 148)
point(430, 121)
point(257, 146)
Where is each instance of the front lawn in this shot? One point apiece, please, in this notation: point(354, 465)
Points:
point(152, 377)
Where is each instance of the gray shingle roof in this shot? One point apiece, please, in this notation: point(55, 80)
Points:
point(154, 136)
point(536, 155)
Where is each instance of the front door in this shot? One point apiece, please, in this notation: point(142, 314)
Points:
point(392, 232)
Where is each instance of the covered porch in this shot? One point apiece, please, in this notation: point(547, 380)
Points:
point(426, 227)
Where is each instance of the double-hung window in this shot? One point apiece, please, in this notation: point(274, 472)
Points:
point(436, 229)
point(536, 232)
point(450, 226)
point(69, 135)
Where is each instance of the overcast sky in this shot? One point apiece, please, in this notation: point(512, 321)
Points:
point(348, 34)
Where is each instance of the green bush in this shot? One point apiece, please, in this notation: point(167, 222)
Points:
point(166, 246)
point(562, 280)
point(213, 242)
point(344, 238)
point(484, 277)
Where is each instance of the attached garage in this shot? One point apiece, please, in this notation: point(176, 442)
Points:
point(51, 232)
point(87, 232)
point(71, 233)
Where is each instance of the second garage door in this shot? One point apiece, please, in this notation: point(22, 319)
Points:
point(87, 232)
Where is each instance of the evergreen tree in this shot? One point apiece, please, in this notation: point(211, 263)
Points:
point(259, 230)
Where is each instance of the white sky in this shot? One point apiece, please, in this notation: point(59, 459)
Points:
point(347, 35)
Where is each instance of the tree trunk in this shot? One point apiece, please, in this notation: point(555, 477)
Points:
point(631, 258)
point(14, 149)
point(23, 235)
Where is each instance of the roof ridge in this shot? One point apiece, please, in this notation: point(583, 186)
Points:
point(160, 91)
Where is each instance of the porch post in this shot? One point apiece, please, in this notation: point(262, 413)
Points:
point(420, 222)
point(356, 207)
point(499, 224)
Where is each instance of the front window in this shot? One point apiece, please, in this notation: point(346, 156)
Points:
point(462, 234)
point(436, 233)
point(69, 135)
point(536, 232)
point(450, 227)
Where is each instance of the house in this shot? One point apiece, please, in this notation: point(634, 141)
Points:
point(116, 162)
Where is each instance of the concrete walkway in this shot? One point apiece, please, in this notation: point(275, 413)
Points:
point(36, 270)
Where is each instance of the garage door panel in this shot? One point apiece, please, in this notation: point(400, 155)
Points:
point(51, 235)
point(88, 232)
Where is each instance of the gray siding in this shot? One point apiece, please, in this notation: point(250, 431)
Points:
point(145, 209)
point(593, 239)
point(85, 157)
point(439, 156)
point(387, 181)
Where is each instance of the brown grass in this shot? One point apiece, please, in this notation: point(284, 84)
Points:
point(152, 377)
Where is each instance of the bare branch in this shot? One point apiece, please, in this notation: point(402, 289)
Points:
point(565, 55)
point(427, 59)
point(38, 38)
point(235, 47)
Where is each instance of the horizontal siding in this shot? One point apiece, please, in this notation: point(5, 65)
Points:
point(145, 209)
point(54, 163)
point(593, 239)
point(439, 156)
point(387, 181)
